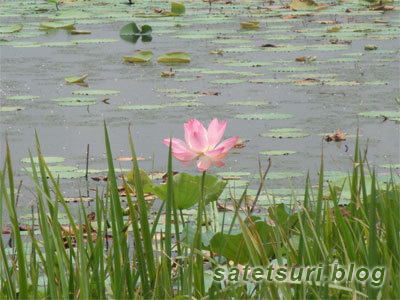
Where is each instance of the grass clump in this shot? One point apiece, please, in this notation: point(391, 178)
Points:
point(121, 254)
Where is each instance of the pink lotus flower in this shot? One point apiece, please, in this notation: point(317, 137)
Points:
point(201, 144)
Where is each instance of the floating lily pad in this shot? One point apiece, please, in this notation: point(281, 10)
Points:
point(250, 103)
point(284, 134)
point(22, 97)
point(283, 175)
point(392, 115)
point(342, 83)
point(11, 29)
point(47, 159)
point(334, 175)
point(140, 107)
point(11, 108)
point(58, 25)
point(267, 116)
point(278, 152)
point(305, 5)
point(174, 57)
point(93, 41)
point(389, 166)
point(227, 81)
point(172, 90)
point(76, 79)
point(294, 69)
point(142, 56)
point(56, 168)
point(250, 25)
point(74, 99)
point(271, 80)
point(233, 174)
point(95, 92)
point(249, 64)
point(177, 8)
point(77, 103)
point(279, 130)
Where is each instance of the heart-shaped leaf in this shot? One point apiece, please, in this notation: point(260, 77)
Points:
point(187, 189)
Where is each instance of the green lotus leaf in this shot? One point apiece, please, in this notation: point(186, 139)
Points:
point(266, 116)
point(174, 57)
point(142, 56)
point(187, 189)
point(58, 25)
point(11, 29)
point(177, 8)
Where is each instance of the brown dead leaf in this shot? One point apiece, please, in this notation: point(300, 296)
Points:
point(165, 176)
point(289, 17)
point(268, 46)
point(5, 231)
point(167, 74)
point(239, 145)
point(307, 80)
point(208, 93)
point(383, 7)
point(345, 213)
point(337, 137)
point(225, 207)
point(337, 42)
point(100, 178)
point(301, 58)
point(91, 217)
point(217, 51)
point(348, 10)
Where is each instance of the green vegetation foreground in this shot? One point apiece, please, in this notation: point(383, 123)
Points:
point(111, 256)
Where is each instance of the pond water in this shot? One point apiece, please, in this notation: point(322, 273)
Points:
point(351, 80)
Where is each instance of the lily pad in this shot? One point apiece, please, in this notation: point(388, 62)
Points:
point(140, 107)
point(11, 108)
point(77, 103)
point(392, 115)
point(283, 175)
point(74, 99)
point(177, 8)
point(76, 79)
point(266, 116)
point(390, 166)
point(299, 5)
point(58, 25)
point(95, 92)
point(227, 81)
point(11, 29)
point(22, 97)
point(250, 103)
point(278, 152)
point(250, 25)
point(233, 174)
point(284, 134)
point(142, 56)
point(47, 159)
point(187, 189)
point(174, 57)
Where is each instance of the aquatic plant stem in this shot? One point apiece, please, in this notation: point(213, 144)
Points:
point(196, 269)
